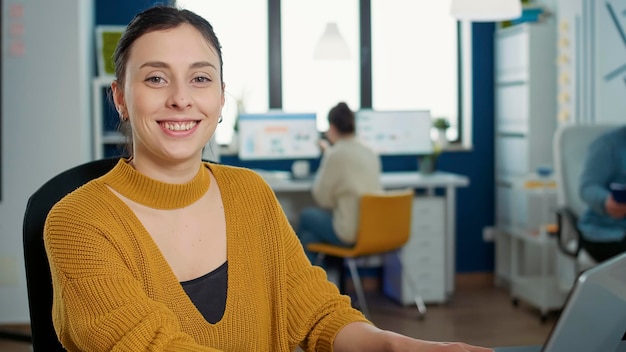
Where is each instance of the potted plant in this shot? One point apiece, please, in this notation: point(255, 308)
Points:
point(441, 124)
point(427, 164)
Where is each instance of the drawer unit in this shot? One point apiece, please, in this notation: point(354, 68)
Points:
point(422, 259)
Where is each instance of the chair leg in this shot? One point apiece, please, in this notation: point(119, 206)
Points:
point(319, 259)
point(356, 279)
point(419, 301)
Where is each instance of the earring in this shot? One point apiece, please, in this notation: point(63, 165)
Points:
point(220, 119)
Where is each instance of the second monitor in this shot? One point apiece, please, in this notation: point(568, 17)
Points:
point(395, 132)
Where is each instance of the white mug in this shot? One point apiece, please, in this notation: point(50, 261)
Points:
point(300, 169)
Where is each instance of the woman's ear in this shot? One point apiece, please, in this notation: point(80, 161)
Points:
point(118, 95)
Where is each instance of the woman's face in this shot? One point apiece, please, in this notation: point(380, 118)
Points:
point(172, 94)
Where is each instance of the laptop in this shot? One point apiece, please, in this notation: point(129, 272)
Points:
point(594, 315)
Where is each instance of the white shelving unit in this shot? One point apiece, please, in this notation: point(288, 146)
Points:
point(525, 122)
point(423, 257)
point(540, 287)
point(103, 135)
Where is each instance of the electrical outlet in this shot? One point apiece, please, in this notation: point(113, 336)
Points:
point(8, 271)
point(488, 233)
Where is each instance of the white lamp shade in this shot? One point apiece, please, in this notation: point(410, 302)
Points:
point(332, 46)
point(486, 10)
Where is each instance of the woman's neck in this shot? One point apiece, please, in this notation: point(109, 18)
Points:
point(165, 171)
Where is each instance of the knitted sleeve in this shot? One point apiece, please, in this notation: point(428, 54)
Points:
point(316, 311)
point(99, 305)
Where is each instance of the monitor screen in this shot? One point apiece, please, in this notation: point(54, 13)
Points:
point(278, 135)
point(395, 132)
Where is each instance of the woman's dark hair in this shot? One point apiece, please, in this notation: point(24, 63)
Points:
point(342, 118)
point(158, 18)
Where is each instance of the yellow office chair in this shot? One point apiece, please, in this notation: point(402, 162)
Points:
point(384, 226)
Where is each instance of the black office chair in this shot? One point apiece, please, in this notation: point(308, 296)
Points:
point(38, 278)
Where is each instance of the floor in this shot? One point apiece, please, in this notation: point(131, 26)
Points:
point(479, 313)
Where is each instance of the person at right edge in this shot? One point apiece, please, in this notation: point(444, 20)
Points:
point(603, 223)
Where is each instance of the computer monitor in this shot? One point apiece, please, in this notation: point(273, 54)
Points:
point(278, 135)
point(395, 132)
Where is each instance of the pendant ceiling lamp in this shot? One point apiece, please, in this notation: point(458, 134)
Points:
point(332, 45)
point(486, 10)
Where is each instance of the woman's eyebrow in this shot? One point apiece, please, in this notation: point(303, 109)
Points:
point(160, 64)
point(201, 64)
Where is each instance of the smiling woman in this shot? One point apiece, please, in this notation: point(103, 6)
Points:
point(182, 254)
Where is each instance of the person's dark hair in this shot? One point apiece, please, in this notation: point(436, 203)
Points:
point(158, 18)
point(342, 118)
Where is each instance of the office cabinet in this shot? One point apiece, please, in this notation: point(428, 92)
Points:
point(525, 98)
point(423, 257)
point(525, 122)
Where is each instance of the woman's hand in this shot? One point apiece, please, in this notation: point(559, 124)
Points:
point(401, 343)
point(324, 144)
point(614, 209)
point(363, 337)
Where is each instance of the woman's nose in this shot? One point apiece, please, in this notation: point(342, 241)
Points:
point(179, 96)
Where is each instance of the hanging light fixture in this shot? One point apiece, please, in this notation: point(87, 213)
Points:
point(486, 10)
point(332, 45)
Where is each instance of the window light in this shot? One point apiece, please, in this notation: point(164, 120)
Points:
point(486, 10)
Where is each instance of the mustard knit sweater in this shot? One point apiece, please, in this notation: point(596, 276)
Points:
point(114, 291)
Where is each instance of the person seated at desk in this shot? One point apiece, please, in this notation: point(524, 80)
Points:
point(347, 170)
point(603, 224)
point(166, 252)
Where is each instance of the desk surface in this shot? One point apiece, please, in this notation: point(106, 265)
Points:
point(518, 349)
point(282, 181)
point(620, 348)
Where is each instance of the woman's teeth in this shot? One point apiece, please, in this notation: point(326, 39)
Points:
point(179, 126)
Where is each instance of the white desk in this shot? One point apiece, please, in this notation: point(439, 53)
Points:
point(294, 194)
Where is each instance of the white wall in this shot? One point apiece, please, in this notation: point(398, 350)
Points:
point(45, 118)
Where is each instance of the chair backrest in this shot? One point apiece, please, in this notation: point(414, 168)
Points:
point(570, 146)
point(38, 278)
point(384, 222)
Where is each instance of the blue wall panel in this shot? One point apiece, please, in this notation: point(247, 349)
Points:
point(120, 12)
point(476, 203)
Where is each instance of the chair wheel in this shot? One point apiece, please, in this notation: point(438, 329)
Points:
point(515, 302)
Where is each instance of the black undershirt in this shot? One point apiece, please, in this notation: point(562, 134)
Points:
point(208, 293)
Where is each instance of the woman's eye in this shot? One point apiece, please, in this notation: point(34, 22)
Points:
point(154, 79)
point(202, 79)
